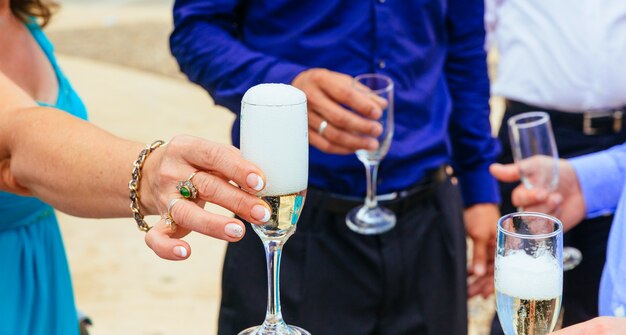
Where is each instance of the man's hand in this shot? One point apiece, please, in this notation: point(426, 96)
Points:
point(597, 326)
point(350, 114)
point(566, 202)
point(480, 224)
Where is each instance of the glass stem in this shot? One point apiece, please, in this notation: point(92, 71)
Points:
point(371, 170)
point(273, 250)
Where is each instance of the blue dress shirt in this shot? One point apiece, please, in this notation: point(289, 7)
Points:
point(432, 49)
point(602, 178)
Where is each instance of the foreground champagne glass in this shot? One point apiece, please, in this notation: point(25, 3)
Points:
point(274, 136)
point(531, 135)
point(371, 218)
point(529, 273)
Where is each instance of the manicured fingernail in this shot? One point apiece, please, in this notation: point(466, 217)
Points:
point(255, 181)
point(261, 213)
point(180, 251)
point(233, 230)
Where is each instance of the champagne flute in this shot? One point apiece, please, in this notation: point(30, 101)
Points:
point(274, 136)
point(531, 135)
point(370, 218)
point(529, 273)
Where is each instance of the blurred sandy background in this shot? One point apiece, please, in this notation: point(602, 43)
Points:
point(116, 54)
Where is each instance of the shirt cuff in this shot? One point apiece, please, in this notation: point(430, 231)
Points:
point(601, 181)
point(478, 186)
point(284, 73)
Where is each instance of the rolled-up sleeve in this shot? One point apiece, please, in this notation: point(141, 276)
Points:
point(473, 146)
point(205, 44)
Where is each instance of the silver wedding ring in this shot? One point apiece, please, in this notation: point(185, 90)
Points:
point(322, 127)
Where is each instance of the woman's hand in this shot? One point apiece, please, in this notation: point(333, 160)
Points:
point(222, 177)
point(83, 170)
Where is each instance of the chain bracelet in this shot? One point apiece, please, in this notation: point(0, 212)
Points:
point(133, 184)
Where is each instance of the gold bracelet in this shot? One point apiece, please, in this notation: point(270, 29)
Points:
point(133, 184)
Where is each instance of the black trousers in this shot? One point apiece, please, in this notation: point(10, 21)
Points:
point(410, 280)
point(580, 285)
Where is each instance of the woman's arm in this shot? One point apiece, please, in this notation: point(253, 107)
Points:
point(69, 163)
point(84, 171)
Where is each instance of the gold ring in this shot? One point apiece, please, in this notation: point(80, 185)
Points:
point(187, 189)
point(169, 220)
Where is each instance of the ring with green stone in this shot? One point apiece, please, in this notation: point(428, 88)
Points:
point(187, 189)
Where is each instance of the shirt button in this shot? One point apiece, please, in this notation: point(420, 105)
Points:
point(381, 1)
point(381, 63)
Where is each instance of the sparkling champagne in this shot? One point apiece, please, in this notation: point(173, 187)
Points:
point(286, 211)
point(521, 316)
point(528, 292)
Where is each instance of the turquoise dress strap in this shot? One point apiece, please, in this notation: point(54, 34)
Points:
point(67, 100)
point(36, 296)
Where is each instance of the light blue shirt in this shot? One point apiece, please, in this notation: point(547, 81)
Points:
point(602, 178)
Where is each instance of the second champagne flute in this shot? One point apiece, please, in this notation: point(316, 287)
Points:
point(274, 136)
point(371, 218)
point(531, 135)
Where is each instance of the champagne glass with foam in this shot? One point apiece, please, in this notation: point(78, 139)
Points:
point(529, 273)
point(371, 218)
point(274, 136)
point(531, 135)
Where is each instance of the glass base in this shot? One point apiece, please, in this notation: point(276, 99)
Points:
point(275, 330)
point(370, 221)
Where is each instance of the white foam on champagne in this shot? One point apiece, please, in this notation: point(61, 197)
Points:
point(274, 136)
point(526, 277)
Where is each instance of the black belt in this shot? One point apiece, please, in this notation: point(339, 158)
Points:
point(597, 122)
point(395, 201)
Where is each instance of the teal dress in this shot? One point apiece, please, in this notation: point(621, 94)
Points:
point(36, 296)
